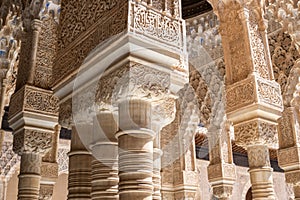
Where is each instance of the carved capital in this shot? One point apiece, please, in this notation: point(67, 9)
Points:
point(289, 158)
point(288, 129)
point(65, 114)
point(30, 140)
point(256, 131)
point(223, 191)
point(221, 171)
point(49, 171)
point(258, 156)
point(46, 192)
point(133, 80)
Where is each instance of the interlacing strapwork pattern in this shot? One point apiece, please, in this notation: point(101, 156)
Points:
point(8, 159)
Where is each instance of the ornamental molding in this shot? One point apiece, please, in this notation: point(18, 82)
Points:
point(152, 23)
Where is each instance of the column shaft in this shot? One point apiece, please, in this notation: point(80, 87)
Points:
point(157, 153)
point(260, 172)
point(80, 159)
point(105, 163)
point(29, 178)
point(135, 150)
point(135, 166)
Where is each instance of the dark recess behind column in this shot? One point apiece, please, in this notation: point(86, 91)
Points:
point(192, 8)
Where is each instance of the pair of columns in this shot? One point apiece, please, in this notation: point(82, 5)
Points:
point(120, 163)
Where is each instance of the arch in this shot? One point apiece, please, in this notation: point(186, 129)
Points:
point(249, 194)
point(247, 187)
point(293, 80)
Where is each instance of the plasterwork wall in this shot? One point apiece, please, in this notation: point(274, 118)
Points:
point(242, 185)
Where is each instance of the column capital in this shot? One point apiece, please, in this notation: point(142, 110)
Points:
point(31, 140)
point(258, 156)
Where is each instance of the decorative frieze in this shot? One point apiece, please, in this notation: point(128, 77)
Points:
point(253, 90)
point(149, 22)
point(32, 99)
point(75, 43)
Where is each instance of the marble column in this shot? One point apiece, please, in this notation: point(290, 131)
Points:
point(30, 176)
point(221, 169)
point(49, 169)
point(80, 169)
point(260, 172)
point(253, 98)
point(105, 162)
point(157, 153)
point(135, 140)
point(3, 188)
point(289, 147)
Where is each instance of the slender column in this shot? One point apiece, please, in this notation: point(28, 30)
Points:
point(79, 166)
point(3, 188)
point(36, 27)
point(105, 162)
point(289, 148)
point(31, 145)
point(250, 85)
point(49, 169)
point(135, 150)
point(221, 170)
point(29, 177)
point(157, 153)
point(260, 172)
